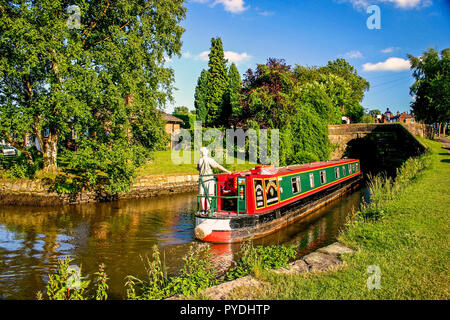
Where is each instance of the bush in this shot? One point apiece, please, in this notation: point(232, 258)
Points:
point(105, 170)
point(258, 258)
point(18, 167)
point(69, 284)
point(196, 275)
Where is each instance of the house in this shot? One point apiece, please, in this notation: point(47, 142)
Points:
point(173, 125)
point(406, 118)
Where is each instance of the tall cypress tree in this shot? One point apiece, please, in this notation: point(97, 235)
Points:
point(217, 83)
point(232, 107)
point(200, 96)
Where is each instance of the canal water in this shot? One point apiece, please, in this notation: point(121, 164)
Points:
point(119, 234)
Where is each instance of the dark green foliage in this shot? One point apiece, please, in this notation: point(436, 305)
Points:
point(147, 131)
point(21, 166)
point(232, 106)
point(216, 85)
point(261, 258)
point(196, 275)
point(106, 170)
point(188, 119)
point(358, 85)
point(275, 98)
point(200, 96)
point(181, 110)
point(66, 283)
point(101, 285)
point(432, 86)
point(103, 82)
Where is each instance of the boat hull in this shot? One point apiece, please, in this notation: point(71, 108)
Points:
point(228, 229)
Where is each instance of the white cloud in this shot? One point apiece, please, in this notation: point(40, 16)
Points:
point(355, 54)
point(403, 4)
point(202, 56)
point(389, 50)
point(233, 6)
point(264, 13)
point(229, 55)
point(236, 57)
point(186, 55)
point(391, 64)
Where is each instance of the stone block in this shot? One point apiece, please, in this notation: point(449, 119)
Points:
point(321, 261)
point(335, 249)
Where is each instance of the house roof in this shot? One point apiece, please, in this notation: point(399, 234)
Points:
point(171, 119)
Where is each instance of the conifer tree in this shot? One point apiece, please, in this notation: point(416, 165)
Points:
point(232, 107)
point(217, 83)
point(200, 96)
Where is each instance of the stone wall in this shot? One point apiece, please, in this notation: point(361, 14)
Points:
point(340, 135)
point(35, 192)
point(380, 147)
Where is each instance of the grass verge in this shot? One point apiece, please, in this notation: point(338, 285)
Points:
point(162, 164)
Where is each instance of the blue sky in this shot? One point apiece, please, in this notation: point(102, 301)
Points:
point(312, 32)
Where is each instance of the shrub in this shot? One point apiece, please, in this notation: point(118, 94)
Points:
point(258, 258)
point(196, 275)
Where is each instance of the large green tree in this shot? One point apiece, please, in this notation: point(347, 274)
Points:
point(432, 86)
point(275, 98)
point(232, 108)
point(217, 83)
point(200, 96)
point(96, 69)
point(358, 86)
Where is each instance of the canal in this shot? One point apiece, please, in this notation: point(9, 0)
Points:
point(119, 233)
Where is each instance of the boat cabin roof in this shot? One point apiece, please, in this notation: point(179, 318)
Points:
point(271, 170)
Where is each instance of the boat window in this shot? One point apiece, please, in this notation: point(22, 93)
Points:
point(357, 166)
point(323, 177)
point(311, 180)
point(296, 187)
point(337, 173)
point(349, 168)
point(343, 171)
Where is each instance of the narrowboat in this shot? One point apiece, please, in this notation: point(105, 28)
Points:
point(252, 204)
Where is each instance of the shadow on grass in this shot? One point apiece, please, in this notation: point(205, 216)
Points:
point(445, 160)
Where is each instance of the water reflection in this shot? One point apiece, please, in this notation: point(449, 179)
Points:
point(119, 233)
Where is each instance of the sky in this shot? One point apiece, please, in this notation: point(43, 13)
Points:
point(311, 33)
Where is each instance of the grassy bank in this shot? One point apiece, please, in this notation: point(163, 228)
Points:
point(405, 233)
point(162, 164)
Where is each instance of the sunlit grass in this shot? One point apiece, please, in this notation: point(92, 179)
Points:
point(162, 163)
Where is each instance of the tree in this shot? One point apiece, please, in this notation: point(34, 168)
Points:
point(232, 107)
point(273, 97)
point(181, 110)
point(358, 85)
point(374, 113)
point(432, 86)
point(217, 83)
point(200, 96)
point(58, 77)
